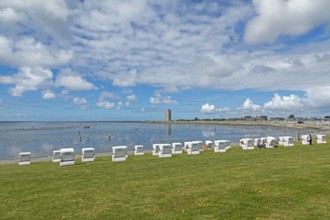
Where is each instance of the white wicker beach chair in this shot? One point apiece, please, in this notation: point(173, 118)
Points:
point(138, 150)
point(88, 154)
point(221, 145)
point(165, 150)
point(56, 156)
point(321, 139)
point(24, 158)
point(119, 153)
point(247, 144)
point(177, 148)
point(67, 157)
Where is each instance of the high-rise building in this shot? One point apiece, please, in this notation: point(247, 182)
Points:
point(168, 115)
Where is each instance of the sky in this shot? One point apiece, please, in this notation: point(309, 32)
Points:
point(133, 59)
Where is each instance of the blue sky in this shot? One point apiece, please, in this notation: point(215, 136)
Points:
point(132, 59)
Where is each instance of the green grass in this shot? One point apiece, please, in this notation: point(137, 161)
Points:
point(282, 183)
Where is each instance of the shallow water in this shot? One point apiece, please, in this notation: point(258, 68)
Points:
point(41, 138)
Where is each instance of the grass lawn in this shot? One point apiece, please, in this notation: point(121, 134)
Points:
point(281, 183)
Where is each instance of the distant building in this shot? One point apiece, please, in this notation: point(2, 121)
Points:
point(168, 116)
point(246, 117)
point(277, 119)
point(262, 118)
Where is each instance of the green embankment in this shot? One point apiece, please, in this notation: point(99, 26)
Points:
point(283, 183)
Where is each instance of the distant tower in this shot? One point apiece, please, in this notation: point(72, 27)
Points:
point(168, 115)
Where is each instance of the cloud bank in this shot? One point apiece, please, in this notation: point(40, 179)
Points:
point(168, 47)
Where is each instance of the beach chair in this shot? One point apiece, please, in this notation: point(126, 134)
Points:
point(256, 142)
point(281, 140)
point(247, 144)
point(165, 150)
point(185, 146)
point(321, 139)
point(24, 158)
point(304, 139)
point(263, 140)
point(193, 147)
point(155, 149)
point(209, 144)
point(88, 154)
point(271, 142)
point(221, 145)
point(177, 148)
point(119, 153)
point(67, 156)
point(56, 156)
point(138, 150)
point(288, 141)
point(200, 145)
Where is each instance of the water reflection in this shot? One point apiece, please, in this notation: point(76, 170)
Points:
point(169, 129)
point(41, 138)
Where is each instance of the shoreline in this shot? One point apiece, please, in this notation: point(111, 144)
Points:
point(325, 129)
point(316, 126)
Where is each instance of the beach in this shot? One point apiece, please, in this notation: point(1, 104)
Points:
point(41, 138)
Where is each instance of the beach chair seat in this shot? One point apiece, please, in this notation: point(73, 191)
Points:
point(288, 141)
point(138, 150)
point(67, 157)
point(165, 150)
point(304, 139)
point(209, 145)
point(177, 148)
point(247, 144)
point(56, 156)
point(24, 158)
point(88, 154)
point(256, 142)
point(193, 147)
point(221, 145)
point(200, 145)
point(155, 149)
point(270, 142)
point(321, 139)
point(119, 153)
point(281, 140)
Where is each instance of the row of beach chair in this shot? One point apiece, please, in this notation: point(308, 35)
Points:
point(271, 142)
point(66, 156)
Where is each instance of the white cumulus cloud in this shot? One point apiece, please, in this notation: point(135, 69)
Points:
point(130, 99)
point(79, 101)
point(249, 105)
point(48, 94)
point(73, 81)
point(26, 51)
point(28, 79)
point(284, 102)
point(125, 80)
point(49, 20)
point(159, 99)
point(208, 109)
point(283, 17)
point(319, 96)
point(105, 104)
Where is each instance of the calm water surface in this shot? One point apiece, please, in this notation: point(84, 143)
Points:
point(41, 138)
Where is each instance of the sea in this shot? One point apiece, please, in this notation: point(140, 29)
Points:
point(41, 138)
